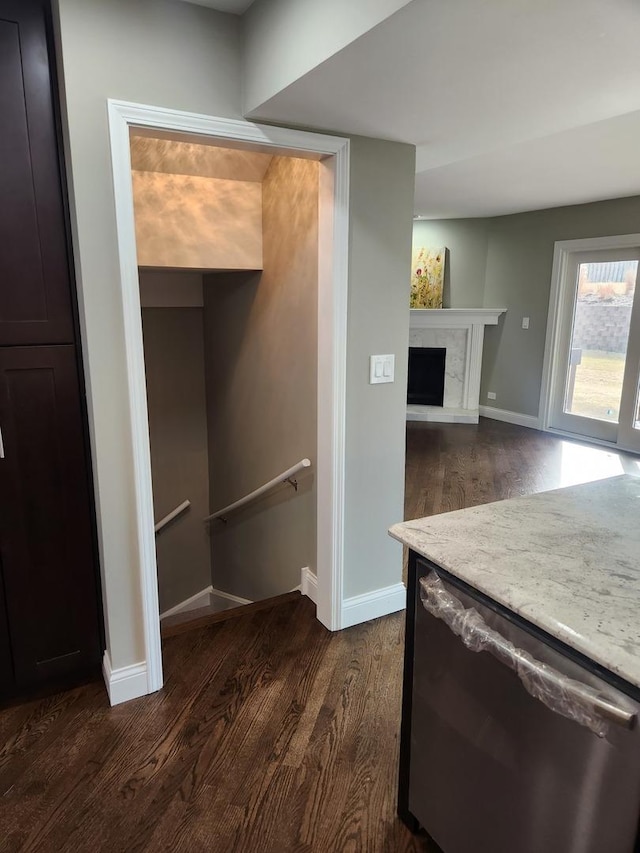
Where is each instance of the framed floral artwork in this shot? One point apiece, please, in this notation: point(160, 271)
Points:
point(427, 278)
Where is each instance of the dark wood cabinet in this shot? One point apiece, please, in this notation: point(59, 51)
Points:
point(50, 613)
point(45, 523)
point(35, 288)
point(7, 680)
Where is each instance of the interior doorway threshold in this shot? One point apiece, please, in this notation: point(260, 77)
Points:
point(194, 619)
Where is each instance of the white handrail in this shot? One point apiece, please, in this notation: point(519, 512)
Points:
point(174, 512)
point(281, 478)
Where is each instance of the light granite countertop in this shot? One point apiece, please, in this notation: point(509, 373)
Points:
point(568, 561)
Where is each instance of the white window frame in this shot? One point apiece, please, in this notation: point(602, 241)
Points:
point(553, 363)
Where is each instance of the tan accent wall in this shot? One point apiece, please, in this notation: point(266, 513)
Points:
point(174, 361)
point(170, 289)
point(192, 222)
point(261, 351)
point(176, 157)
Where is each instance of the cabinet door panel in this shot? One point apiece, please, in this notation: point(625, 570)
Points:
point(45, 517)
point(35, 292)
point(7, 680)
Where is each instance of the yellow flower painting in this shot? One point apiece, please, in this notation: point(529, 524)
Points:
point(427, 278)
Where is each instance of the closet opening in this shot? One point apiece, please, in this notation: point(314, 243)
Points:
point(227, 251)
point(331, 153)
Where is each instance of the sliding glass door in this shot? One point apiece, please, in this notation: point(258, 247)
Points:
point(597, 356)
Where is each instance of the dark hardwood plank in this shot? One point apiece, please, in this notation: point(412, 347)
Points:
point(271, 734)
point(245, 756)
point(453, 466)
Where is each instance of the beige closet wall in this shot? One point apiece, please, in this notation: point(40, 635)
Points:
point(261, 374)
point(261, 357)
point(174, 361)
point(194, 222)
point(173, 333)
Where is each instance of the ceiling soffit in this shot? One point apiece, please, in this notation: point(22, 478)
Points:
point(149, 154)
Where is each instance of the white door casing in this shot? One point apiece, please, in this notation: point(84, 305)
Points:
point(568, 254)
point(332, 335)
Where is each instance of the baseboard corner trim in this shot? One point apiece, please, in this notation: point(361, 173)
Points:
point(126, 682)
point(309, 584)
point(508, 417)
point(228, 596)
point(372, 605)
point(194, 602)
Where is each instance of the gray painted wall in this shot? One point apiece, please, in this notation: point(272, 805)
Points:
point(467, 242)
point(261, 341)
point(285, 39)
point(174, 366)
point(382, 184)
point(518, 252)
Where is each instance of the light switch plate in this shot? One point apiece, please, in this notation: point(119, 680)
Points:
point(381, 368)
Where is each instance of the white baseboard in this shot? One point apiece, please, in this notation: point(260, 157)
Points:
point(208, 597)
point(442, 415)
point(371, 605)
point(309, 584)
point(200, 599)
point(231, 600)
point(510, 417)
point(128, 682)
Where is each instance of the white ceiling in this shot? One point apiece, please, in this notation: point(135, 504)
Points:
point(513, 104)
point(236, 7)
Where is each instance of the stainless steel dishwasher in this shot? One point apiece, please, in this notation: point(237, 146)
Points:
point(509, 745)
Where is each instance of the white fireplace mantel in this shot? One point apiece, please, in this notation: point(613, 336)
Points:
point(461, 332)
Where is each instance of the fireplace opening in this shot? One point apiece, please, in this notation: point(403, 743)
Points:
point(426, 376)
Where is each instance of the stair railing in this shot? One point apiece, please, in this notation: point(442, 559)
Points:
point(170, 516)
point(286, 477)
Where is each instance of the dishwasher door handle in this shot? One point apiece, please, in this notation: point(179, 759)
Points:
point(564, 695)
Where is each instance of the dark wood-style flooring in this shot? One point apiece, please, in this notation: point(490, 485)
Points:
point(271, 734)
point(453, 466)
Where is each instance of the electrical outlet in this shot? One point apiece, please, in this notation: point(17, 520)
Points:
point(525, 322)
point(491, 395)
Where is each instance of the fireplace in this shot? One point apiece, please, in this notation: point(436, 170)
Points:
point(426, 376)
point(458, 332)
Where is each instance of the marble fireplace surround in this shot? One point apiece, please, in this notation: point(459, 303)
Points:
point(461, 332)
